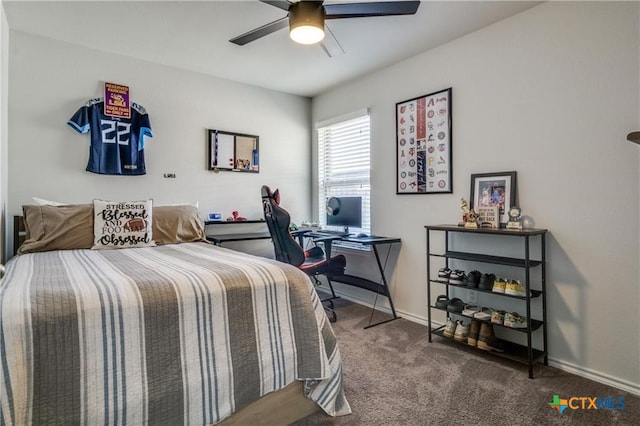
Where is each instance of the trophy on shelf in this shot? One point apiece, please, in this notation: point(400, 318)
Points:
point(515, 218)
point(469, 216)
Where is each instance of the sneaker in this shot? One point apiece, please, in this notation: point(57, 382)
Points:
point(455, 305)
point(487, 340)
point(515, 288)
point(457, 277)
point(442, 301)
point(497, 317)
point(473, 279)
point(470, 310)
point(484, 314)
point(486, 282)
point(444, 273)
point(462, 331)
point(499, 285)
point(514, 320)
point(474, 332)
point(449, 329)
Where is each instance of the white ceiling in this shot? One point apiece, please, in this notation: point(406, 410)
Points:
point(193, 35)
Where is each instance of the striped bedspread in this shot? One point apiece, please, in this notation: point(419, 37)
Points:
point(168, 335)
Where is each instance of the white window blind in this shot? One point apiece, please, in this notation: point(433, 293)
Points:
point(344, 164)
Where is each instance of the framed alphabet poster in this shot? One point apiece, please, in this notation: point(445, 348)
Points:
point(423, 144)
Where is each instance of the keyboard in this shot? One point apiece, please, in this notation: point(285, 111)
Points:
point(336, 233)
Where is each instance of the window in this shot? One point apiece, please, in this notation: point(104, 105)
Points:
point(344, 164)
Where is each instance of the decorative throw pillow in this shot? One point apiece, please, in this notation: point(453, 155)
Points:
point(65, 227)
point(122, 224)
point(177, 223)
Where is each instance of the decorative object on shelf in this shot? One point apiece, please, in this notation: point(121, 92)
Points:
point(235, 217)
point(469, 216)
point(494, 189)
point(231, 151)
point(515, 218)
point(471, 220)
point(423, 150)
point(489, 217)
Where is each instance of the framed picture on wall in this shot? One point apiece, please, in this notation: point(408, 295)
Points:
point(494, 189)
point(230, 151)
point(423, 144)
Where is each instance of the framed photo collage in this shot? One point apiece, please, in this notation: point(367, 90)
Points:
point(423, 132)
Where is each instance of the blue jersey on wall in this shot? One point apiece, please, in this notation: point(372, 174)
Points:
point(117, 144)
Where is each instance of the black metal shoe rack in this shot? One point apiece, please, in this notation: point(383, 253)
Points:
point(524, 354)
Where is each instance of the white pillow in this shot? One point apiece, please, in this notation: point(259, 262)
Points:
point(122, 224)
point(196, 204)
point(43, 202)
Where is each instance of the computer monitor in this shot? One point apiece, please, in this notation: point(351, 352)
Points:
point(345, 212)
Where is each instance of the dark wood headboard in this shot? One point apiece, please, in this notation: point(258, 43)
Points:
point(19, 233)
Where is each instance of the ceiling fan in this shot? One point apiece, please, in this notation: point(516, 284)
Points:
point(306, 20)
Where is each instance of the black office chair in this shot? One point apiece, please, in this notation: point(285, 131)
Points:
point(313, 262)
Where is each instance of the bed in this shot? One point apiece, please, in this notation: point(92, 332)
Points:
point(176, 332)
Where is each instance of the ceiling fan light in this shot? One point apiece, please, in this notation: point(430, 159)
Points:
point(306, 22)
point(306, 34)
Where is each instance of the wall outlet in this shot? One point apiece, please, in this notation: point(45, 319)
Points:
point(472, 297)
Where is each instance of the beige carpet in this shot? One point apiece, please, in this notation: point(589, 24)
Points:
point(394, 376)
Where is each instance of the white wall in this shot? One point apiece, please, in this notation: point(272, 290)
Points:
point(4, 78)
point(550, 93)
point(50, 80)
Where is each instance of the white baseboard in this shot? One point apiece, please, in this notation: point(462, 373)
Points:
point(596, 376)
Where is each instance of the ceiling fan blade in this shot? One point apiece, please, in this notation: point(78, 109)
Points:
point(330, 44)
point(264, 30)
point(361, 10)
point(280, 4)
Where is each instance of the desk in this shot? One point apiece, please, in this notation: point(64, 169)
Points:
point(380, 288)
point(218, 239)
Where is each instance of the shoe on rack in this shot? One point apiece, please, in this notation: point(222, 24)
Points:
point(444, 273)
point(484, 314)
point(442, 301)
point(449, 328)
point(457, 277)
point(455, 305)
point(514, 320)
point(474, 332)
point(470, 310)
point(473, 279)
point(515, 288)
point(487, 340)
point(486, 282)
point(462, 331)
point(497, 317)
point(499, 285)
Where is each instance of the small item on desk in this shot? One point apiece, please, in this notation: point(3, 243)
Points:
point(362, 235)
point(235, 217)
point(312, 225)
point(215, 216)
